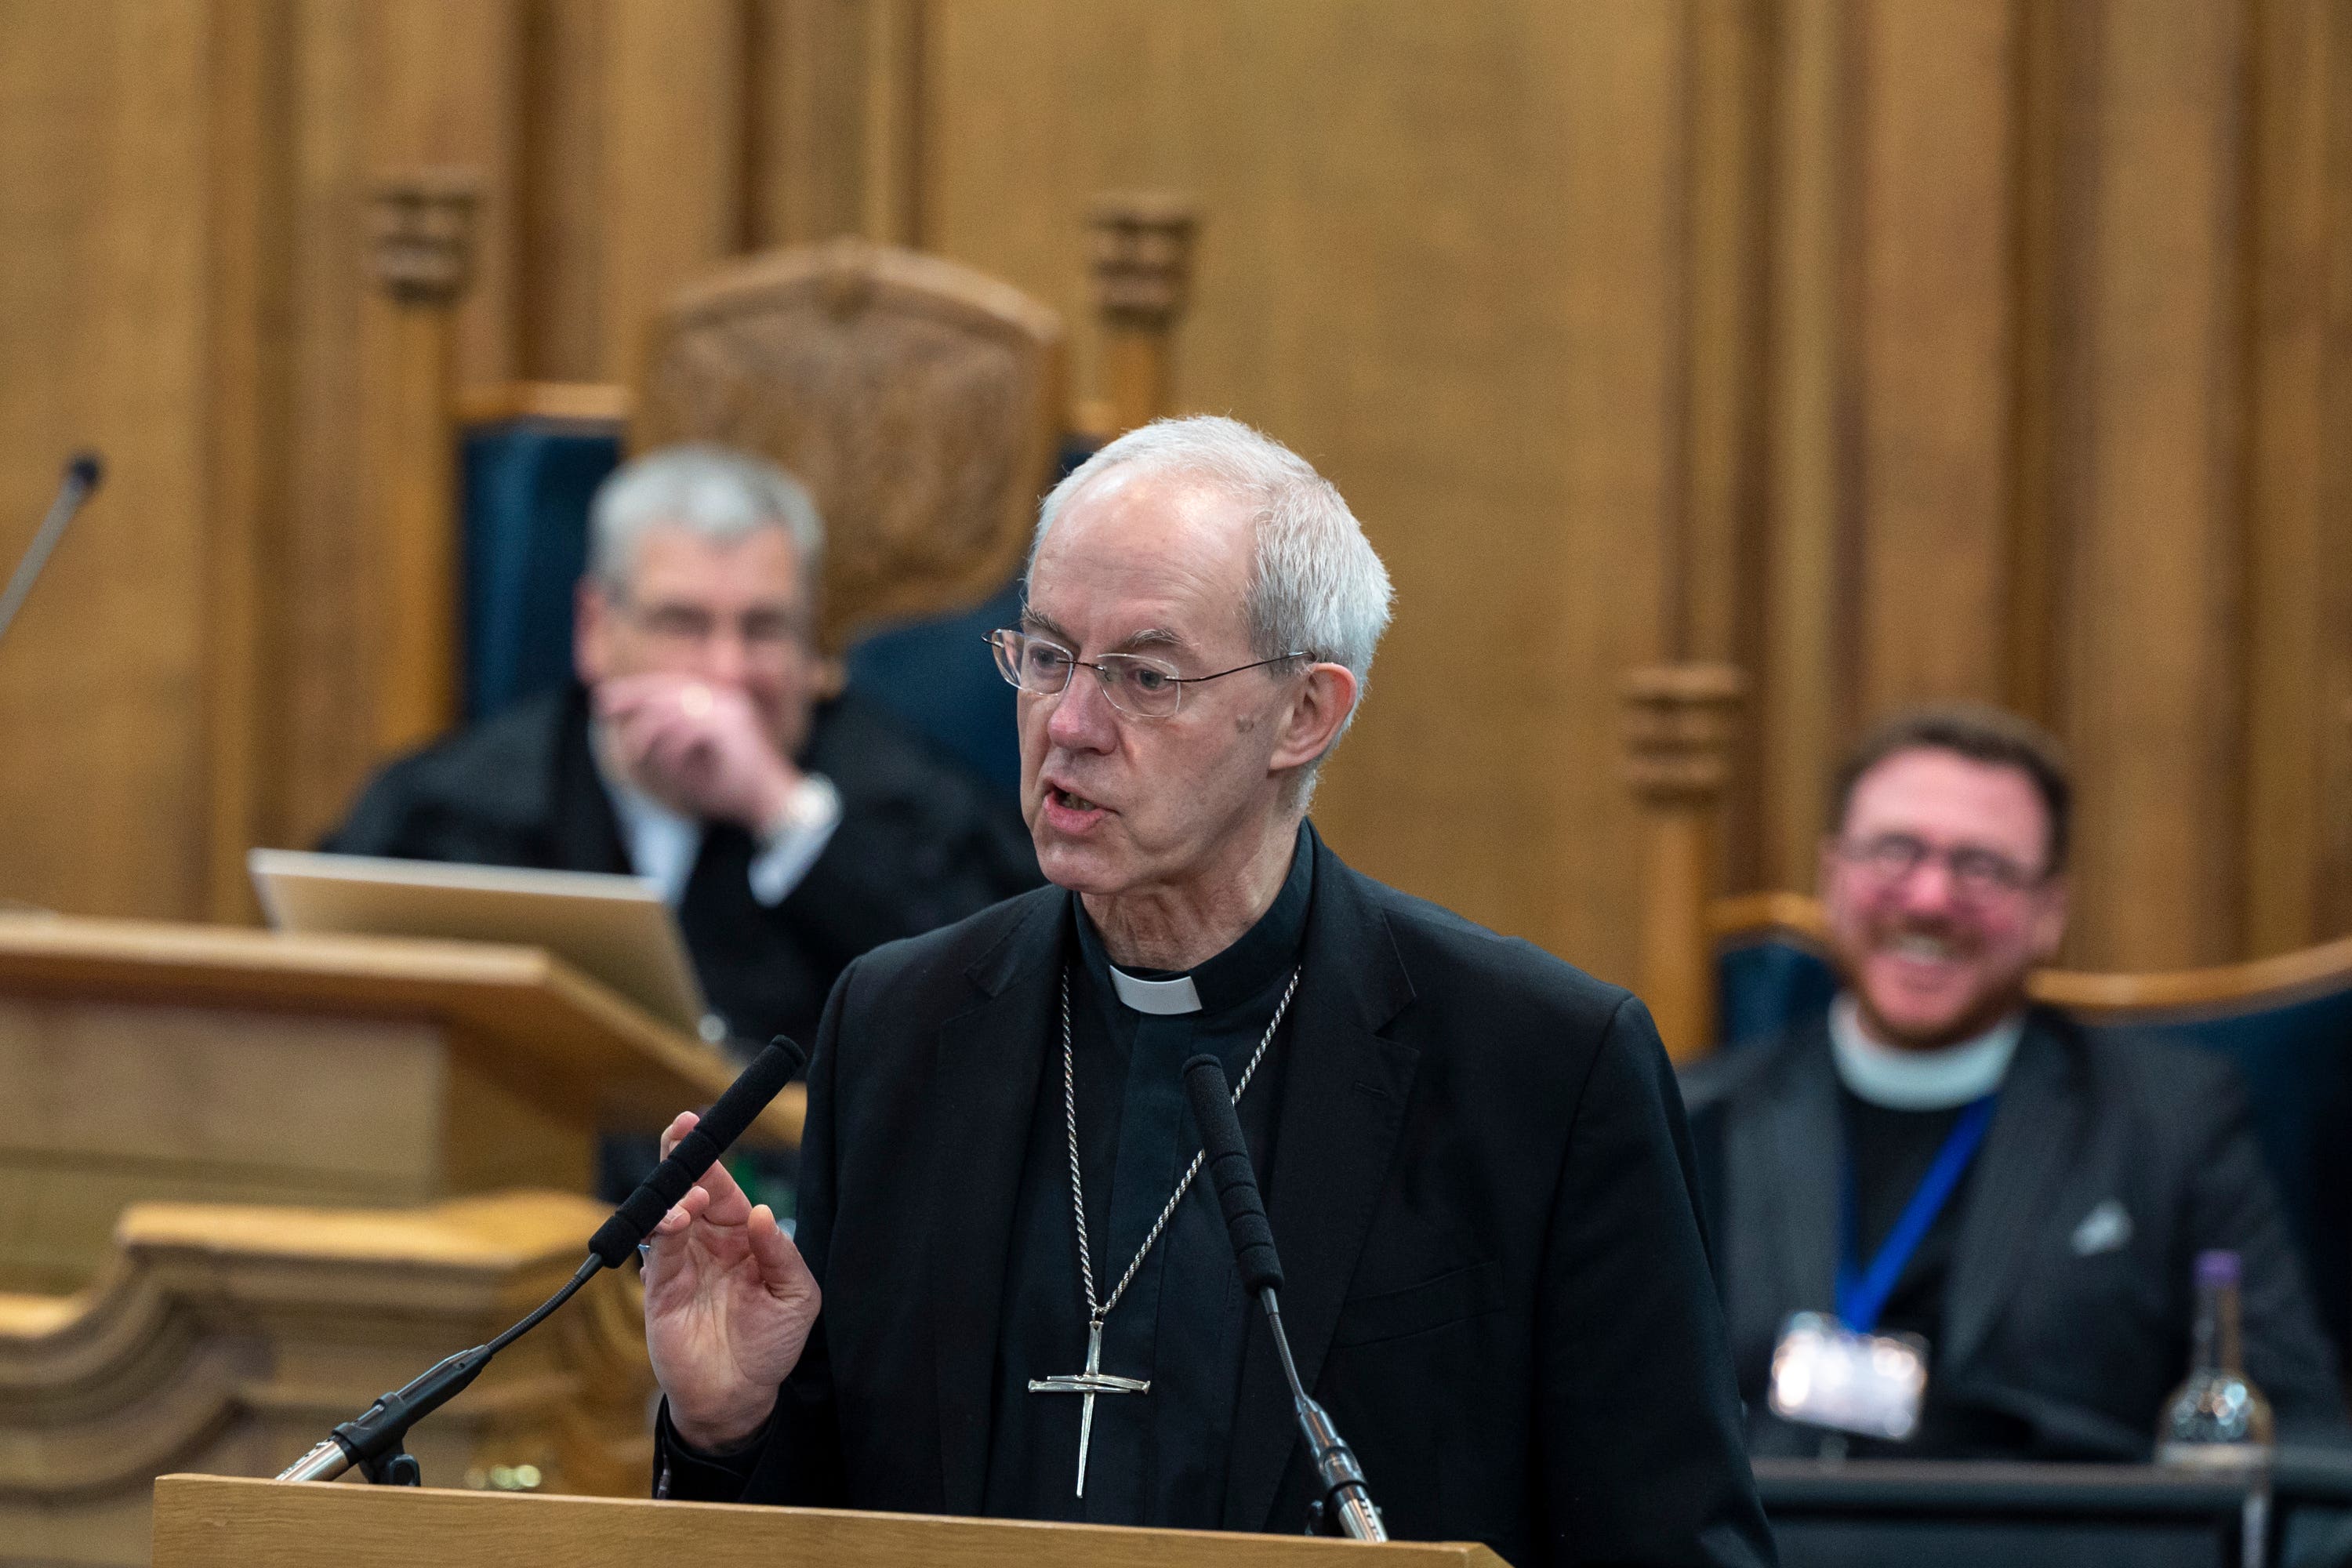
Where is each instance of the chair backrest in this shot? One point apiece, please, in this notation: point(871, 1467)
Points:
point(526, 479)
point(920, 402)
point(2285, 1022)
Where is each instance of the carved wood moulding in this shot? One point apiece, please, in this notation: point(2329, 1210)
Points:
point(421, 234)
point(1679, 721)
point(1141, 249)
point(227, 1338)
point(918, 400)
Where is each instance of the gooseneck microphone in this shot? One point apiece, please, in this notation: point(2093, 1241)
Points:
point(1345, 1499)
point(698, 1151)
point(374, 1440)
point(81, 477)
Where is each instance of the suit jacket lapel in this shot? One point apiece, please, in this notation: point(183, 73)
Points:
point(983, 1093)
point(584, 834)
point(2024, 1155)
point(1785, 1202)
point(1343, 1103)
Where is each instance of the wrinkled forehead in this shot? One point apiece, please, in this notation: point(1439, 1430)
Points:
point(670, 561)
point(1139, 558)
point(1947, 797)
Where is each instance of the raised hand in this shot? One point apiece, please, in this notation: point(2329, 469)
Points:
point(729, 1307)
point(698, 747)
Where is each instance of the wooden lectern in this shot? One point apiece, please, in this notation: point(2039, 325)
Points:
point(146, 1062)
point(204, 1521)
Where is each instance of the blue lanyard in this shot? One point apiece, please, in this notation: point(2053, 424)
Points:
point(1862, 1292)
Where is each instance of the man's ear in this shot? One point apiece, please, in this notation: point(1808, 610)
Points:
point(591, 631)
point(1321, 705)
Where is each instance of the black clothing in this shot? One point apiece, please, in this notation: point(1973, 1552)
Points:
point(1153, 1456)
point(919, 844)
point(1890, 1151)
point(2063, 1317)
point(1480, 1188)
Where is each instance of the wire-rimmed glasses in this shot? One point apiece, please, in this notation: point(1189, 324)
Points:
point(1976, 873)
point(1135, 684)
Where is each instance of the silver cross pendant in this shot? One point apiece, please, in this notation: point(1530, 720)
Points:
point(1089, 1382)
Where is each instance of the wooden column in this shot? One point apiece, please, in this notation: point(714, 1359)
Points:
point(1678, 735)
point(1142, 250)
point(420, 251)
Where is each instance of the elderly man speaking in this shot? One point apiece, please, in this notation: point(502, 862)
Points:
point(1474, 1155)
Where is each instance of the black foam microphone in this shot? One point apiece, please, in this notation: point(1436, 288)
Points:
point(81, 477)
point(698, 1151)
point(374, 1440)
point(1345, 1501)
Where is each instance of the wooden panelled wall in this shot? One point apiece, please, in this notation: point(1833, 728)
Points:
point(1889, 349)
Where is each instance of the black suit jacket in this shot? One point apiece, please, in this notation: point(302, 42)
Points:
point(1495, 1276)
point(919, 843)
point(2056, 1347)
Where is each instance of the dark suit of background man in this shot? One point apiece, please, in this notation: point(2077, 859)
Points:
point(792, 835)
point(1475, 1155)
point(2053, 1286)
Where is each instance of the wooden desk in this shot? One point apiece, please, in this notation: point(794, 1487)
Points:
point(203, 1522)
point(145, 1062)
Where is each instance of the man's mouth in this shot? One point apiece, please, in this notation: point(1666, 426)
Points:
point(1069, 802)
point(1922, 946)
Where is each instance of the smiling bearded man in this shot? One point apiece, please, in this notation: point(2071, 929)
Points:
point(1474, 1155)
point(1934, 1158)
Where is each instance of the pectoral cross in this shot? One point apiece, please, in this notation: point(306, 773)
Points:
point(1089, 1382)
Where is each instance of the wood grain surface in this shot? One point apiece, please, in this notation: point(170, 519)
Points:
point(206, 1523)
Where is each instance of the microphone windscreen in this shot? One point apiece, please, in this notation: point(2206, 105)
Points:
point(1228, 1163)
point(86, 470)
point(750, 1093)
point(698, 1151)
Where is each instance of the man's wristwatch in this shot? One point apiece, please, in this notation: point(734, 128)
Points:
point(812, 805)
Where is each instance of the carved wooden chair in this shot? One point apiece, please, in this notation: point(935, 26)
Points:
point(919, 401)
point(923, 404)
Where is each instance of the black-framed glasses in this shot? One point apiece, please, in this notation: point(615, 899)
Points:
point(1136, 685)
point(1976, 872)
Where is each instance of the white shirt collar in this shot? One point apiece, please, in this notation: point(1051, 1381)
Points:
point(1903, 1080)
point(1163, 996)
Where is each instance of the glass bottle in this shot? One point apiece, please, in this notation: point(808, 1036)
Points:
point(2217, 1418)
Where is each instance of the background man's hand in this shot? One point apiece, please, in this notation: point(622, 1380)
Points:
point(698, 747)
point(729, 1307)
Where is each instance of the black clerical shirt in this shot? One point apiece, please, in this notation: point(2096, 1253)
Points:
point(1891, 1151)
point(1156, 1458)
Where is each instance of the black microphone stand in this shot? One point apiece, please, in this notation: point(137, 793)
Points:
point(1347, 1502)
point(1345, 1507)
point(375, 1441)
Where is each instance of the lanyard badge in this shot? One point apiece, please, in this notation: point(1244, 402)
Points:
point(1838, 1372)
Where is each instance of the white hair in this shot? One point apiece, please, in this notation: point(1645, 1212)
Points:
point(712, 492)
point(1315, 585)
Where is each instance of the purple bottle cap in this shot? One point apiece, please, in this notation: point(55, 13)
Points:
point(2215, 1269)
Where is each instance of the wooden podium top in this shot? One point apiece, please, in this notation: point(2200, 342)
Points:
point(208, 1522)
point(538, 1017)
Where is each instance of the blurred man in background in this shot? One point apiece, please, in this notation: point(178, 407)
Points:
point(791, 833)
point(1935, 1157)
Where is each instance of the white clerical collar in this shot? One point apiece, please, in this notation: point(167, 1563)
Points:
point(1164, 996)
point(1903, 1080)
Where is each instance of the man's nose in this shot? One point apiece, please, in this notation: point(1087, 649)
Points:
point(1929, 886)
point(1083, 718)
point(725, 656)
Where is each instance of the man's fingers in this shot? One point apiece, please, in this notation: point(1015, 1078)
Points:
point(724, 1202)
point(780, 1267)
point(687, 1209)
point(684, 1122)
